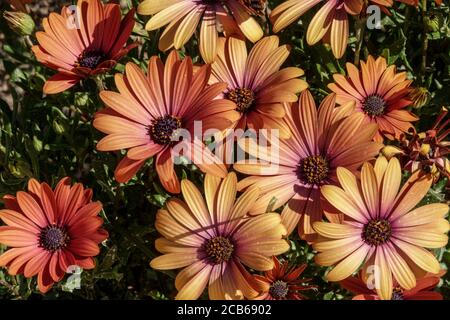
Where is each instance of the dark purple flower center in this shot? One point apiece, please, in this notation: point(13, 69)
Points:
point(243, 97)
point(91, 59)
point(219, 249)
point(163, 129)
point(312, 170)
point(279, 289)
point(397, 294)
point(374, 105)
point(53, 238)
point(377, 232)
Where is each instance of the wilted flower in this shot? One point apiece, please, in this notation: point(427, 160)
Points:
point(426, 151)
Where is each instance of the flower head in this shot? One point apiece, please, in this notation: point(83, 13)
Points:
point(82, 44)
point(147, 114)
point(321, 140)
point(380, 94)
point(232, 17)
point(381, 231)
point(425, 151)
point(330, 22)
point(422, 291)
point(50, 230)
point(212, 240)
point(255, 82)
point(283, 282)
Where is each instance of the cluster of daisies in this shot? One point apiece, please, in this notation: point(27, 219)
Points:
point(336, 183)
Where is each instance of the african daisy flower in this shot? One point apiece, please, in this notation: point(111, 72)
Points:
point(321, 141)
point(212, 240)
point(329, 23)
point(79, 51)
point(232, 17)
point(50, 230)
point(426, 151)
point(255, 82)
point(381, 231)
point(380, 94)
point(422, 291)
point(147, 114)
point(282, 282)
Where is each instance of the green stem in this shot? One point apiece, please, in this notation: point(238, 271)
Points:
point(407, 18)
point(99, 82)
point(10, 287)
point(29, 42)
point(360, 26)
point(423, 65)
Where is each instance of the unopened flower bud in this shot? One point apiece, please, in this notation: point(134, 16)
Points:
point(434, 22)
point(419, 97)
point(19, 22)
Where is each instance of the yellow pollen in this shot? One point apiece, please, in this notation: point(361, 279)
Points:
point(163, 129)
point(219, 249)
point(243, 98)
point(377, 232)
point(313, 170)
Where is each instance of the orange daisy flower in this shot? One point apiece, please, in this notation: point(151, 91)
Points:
point(282, 282)
point(330, 22)
point(381, 230)
point(232, 17)
point(212, 240)
point(422, 291)
point(147, 114)
point(380, 94)
point(321, 141)
point(87, 43)
point(255, 82)
point(50, 231)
